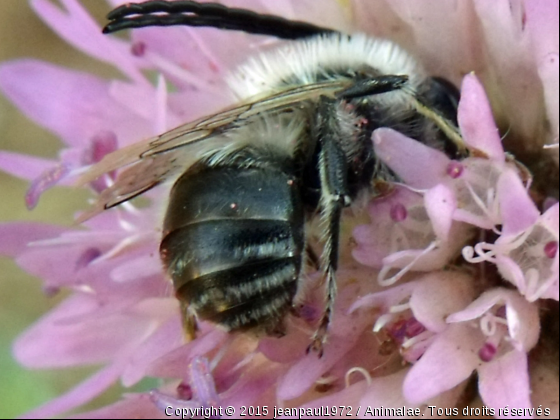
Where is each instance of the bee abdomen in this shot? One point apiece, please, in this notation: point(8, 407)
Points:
point(233, 244)
point(243, 297)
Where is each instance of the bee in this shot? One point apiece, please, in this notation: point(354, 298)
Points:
point(296, 148)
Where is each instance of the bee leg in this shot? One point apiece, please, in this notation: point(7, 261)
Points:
point(333, 172)
point(312, 257)
point(188, 318)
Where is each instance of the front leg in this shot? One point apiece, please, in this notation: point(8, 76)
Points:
point(333, 173)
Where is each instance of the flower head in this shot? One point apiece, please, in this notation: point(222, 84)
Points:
point(416, 313)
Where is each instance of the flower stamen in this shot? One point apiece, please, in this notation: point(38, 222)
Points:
point(392, 280)
point(455, 169)
point(357, 369)
point(551, 249)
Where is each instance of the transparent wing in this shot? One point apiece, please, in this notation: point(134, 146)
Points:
point(152, 161)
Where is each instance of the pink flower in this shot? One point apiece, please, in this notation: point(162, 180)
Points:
point(414, 336)
point(526, 252)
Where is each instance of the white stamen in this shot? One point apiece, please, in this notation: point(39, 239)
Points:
point(392, 280)
point(488, 324)
point(361, 370)
point(399, 308)
point(382, 321)
point(478, 201)
point(419, 338)
point(121, 246)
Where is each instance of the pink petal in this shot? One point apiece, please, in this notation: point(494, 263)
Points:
point(75, 106)
point(424, 27)
point(476, 120)
point(254, 388)
point(348, 397)
point(165, 339)
point(136, 97)
point(440, 205)
point(549, 74)
point(509, 49)
point(331, 11)
point(367, 254)
point(345, 331)
point(542, 23)
point(418, 165)
point(59, 341)
point(79, 29)
point(511, 271)
point(16, 236)
point(174, 363)
point(504, 382)
point(65, 264)
point(24, 166)
point(523, 322)
point(439, 294)
point(78, 395)
point(545, 385)
point(518, 211)
point(376, 240)
point(450, 360)
point(522, 316)
point(186, 56)
point(481, 305)
point(287, 349)
point(385, 392)
point(48, 179)
point(133, 406)
point(551, 218)
point(136, 268)
point(293, 384)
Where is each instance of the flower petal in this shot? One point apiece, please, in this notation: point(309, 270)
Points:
point(543, 373)
point(350, 396)
point(24, 166)
point(385, 392)
point(84, 392)
point(78, 28)
point(551, 219)
point(17, 236)
point(59, 341)
point(439, 294)
point(450, 360)
point(522, 316)
point(543, 26)
point(133, 406)
point(504, 382)
point(549, 74)
point(440, 205)
point(162, 341)
point(418, 165)
point(476, 120)
point(172, 364)
point(344, 333)
point(508, 48)
point(79, 104)
point(516, 207)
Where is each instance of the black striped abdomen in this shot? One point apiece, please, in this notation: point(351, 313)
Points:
point(233, 243)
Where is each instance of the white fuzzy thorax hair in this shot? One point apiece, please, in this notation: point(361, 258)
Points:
point(303, 62)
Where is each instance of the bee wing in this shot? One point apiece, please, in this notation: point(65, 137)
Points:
point(152, 161)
